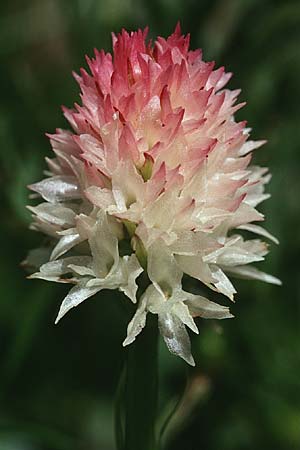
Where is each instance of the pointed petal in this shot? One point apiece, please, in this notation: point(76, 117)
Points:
point(249, 146)
point(252, 273)
point(163, 269)
point(57, 188)
point(53, 270)
point(202, 307)
point(232, 256)
point(65, 244)
point(195, 267)
point(182, 312)
point(222, 283)
point(54, 214)
point(176, 337)
point(104, 247)
point(83, 271)
point(258, 230)
point(137, 323)
point(131, 271)
point(76, 296)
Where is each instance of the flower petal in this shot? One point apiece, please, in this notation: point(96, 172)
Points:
point(163, 269)
point(202, 307)
point(137, 323)
point(76, 296)
point(258, 230)
point(182, 312)
point(222, 283)
point(104, 246)
point(54, 214)
point(176, 337)
point(53, 270)
point(195, 267)
point(252, 273)
point(131, 271)
point(65, 244)
point(57, 188)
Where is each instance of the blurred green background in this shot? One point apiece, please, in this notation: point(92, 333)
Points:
point(57, 383)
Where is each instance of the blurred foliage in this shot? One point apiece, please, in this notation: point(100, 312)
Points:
point(57, 383)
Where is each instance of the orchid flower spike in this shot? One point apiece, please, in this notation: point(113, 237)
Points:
point(154, 159)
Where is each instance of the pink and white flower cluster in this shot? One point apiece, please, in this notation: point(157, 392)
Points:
point(154, 178)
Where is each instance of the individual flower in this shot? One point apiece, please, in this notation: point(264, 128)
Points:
point(153, 182)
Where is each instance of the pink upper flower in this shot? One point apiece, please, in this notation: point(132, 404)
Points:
point(155, 158)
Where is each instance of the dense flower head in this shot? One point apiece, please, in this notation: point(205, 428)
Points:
point(153, 178)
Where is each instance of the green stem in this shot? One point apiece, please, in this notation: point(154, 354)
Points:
point(141, 389)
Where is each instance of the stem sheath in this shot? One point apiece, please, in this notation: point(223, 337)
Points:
point(141, 389)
